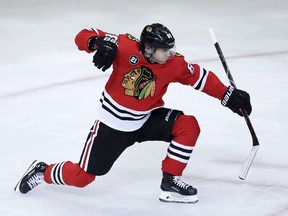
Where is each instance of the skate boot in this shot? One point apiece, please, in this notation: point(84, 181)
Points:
point(32, 177)
point(175, 190)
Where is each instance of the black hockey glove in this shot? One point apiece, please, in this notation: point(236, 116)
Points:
point(106, 49)
point(236, 100)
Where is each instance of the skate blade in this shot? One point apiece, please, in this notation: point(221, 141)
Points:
point(172, 197)
point(27, 171)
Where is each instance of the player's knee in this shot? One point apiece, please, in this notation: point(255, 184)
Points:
point(186, 129)
point(193, 125)
point(83, 179)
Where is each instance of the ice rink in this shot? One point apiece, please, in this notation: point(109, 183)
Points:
point(49, 91)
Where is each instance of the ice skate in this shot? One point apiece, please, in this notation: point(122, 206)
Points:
point(174, 190)
point(32, 177)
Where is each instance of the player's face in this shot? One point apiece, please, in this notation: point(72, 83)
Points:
point(162, 55)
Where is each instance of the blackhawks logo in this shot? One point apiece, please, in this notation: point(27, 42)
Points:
point(139, 83)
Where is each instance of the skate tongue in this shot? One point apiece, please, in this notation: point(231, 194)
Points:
point(179, 183)
point(35, 180)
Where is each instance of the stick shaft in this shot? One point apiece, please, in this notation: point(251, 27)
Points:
point(255, 143)
point(222, 58)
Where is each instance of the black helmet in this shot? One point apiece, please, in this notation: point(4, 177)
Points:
point(156, 36)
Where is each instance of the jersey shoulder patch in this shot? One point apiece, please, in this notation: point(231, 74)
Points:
point(178, 54)
point(131, 37)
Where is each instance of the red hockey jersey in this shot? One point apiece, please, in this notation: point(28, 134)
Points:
point(136, 87)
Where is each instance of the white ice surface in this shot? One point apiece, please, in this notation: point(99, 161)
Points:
point(49, 91)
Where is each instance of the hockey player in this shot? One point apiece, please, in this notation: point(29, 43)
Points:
point(131, 110)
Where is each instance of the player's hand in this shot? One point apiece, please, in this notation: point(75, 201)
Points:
point(236, 100)
point(106, 50)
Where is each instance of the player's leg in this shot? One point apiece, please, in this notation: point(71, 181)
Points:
point(184, 136)
point(67, 173)
point(182, 132)
point(102, 148)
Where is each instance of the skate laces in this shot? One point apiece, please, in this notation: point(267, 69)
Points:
point(177, 181)
point(36, 179)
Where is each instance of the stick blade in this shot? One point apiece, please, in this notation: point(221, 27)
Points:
point(246, 167)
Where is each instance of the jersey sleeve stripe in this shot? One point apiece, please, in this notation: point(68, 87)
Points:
point(200, 84)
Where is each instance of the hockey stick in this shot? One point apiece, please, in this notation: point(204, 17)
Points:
point(245, 169)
